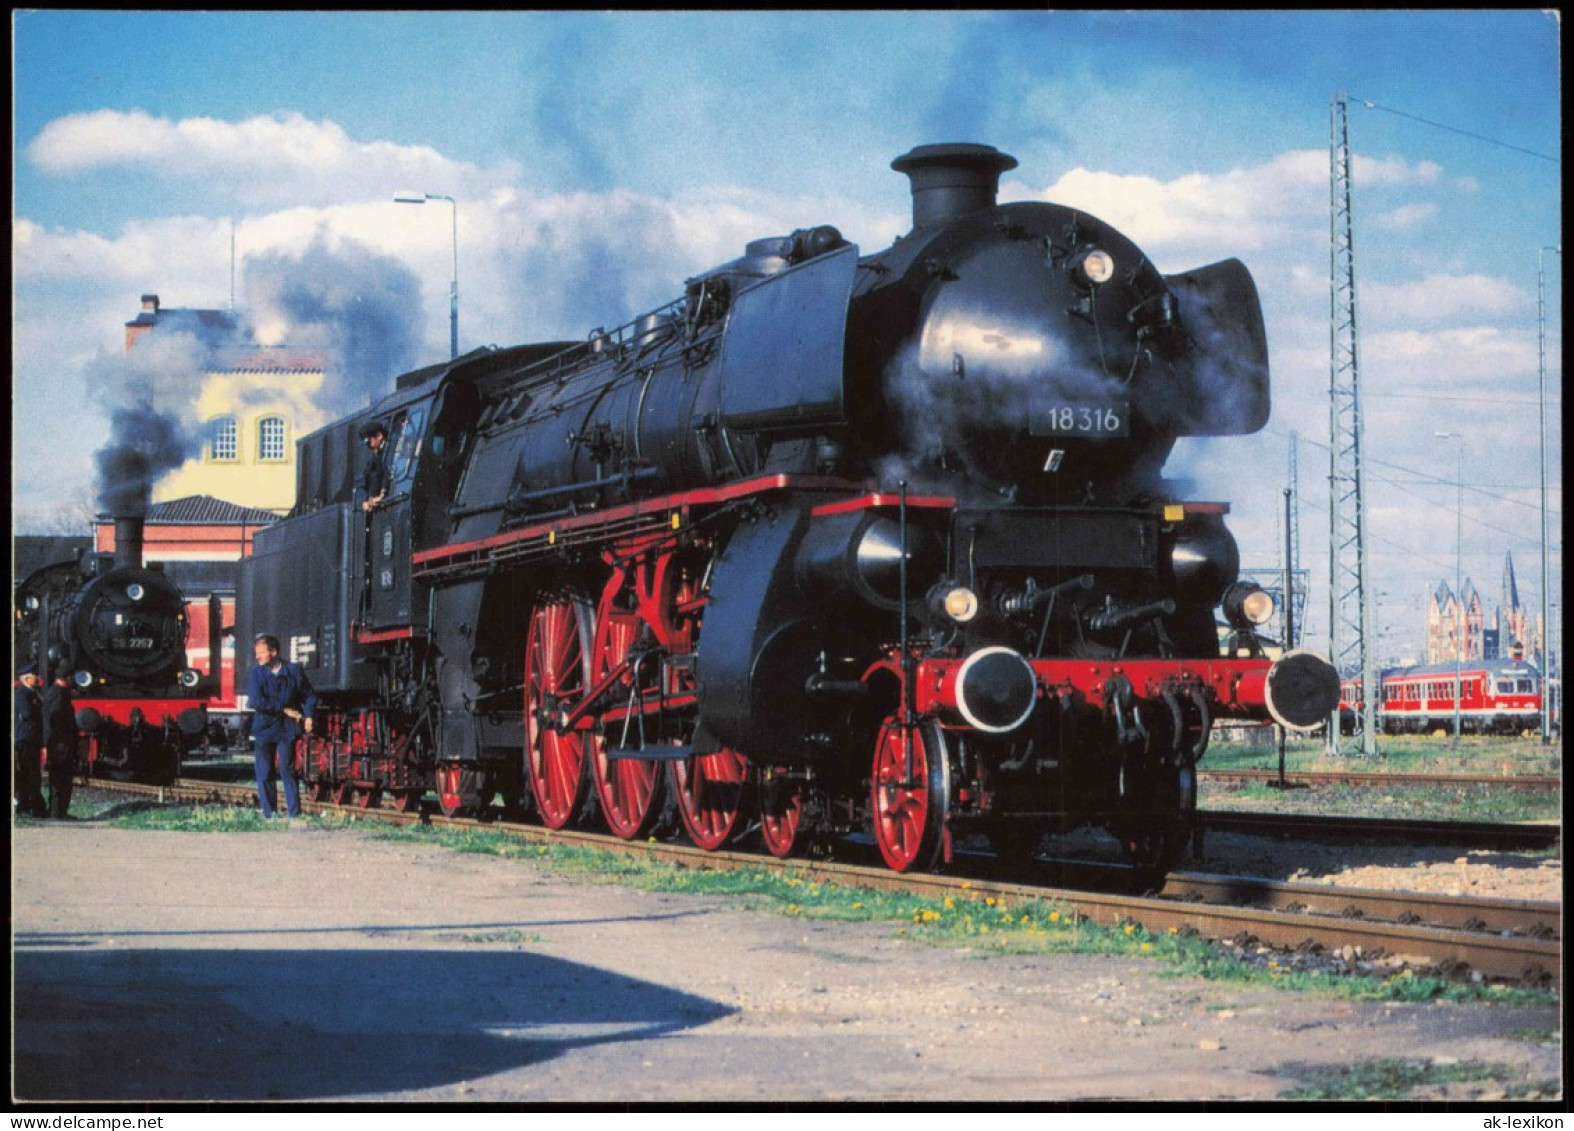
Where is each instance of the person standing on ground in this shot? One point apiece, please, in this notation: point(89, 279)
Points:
point(60, 743)
point(282, 704)
point(27, 735)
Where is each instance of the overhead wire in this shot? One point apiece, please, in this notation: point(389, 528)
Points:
point(1456, 130)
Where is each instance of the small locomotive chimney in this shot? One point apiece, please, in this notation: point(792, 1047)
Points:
point(952, 180)
point(128, 541)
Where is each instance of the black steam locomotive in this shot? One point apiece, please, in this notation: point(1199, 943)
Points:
point(118, 628)
point(832, 543)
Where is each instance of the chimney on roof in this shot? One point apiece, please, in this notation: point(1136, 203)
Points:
point(150, 304)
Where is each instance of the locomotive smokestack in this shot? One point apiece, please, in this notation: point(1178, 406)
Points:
point(128, 541)
point(952, 180)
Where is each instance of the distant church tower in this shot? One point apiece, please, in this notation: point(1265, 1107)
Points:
point(1513, 618)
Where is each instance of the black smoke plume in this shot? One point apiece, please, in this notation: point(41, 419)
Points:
point(362, 309)
point(148, 394)
point(359, 309)
point(144, 444)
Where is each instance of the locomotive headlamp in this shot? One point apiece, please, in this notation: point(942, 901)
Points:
point(1097, 266)
point(83, 680)
point(190, 677)
point(30, 603)
point(960, 604)
point(135, 591)
point(1246, 605)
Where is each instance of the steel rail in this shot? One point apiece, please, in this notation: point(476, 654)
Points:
point(1333, 829)
point(1534, 960)
point(1366, 777)
point(1532, 918)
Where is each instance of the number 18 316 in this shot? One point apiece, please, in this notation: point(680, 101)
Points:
point(1088, 420)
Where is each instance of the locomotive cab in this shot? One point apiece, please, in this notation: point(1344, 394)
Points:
point(389, 592)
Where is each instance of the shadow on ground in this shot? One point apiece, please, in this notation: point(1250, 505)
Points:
point(171, 1024)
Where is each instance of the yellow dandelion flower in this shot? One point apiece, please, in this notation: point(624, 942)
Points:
point(1054, 916)
point(950, 904)
point(1147, 946)
point(1130, 928)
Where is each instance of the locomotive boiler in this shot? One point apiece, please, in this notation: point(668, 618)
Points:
point(831, 543)
point(118, 628)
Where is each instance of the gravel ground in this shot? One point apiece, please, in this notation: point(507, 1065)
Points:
point(316, 964)
point(1430, 868)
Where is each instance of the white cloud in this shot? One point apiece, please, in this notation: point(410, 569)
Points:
point(1439, 298)
point(261, 160)
point(1391, 171)
point(1471, 357)
point(1202, 214)
point(1407, 216)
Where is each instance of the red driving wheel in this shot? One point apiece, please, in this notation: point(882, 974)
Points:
point(710, 789)
point(628, 788)
point(909, 794)
point(781, 812)
point(556, 672)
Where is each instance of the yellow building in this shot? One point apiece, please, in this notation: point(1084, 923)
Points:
point(252, 405)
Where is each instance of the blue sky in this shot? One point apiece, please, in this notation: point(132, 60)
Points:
point(598, 159)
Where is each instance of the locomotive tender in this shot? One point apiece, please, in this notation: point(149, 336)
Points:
point(830, 543)
point(119, 627)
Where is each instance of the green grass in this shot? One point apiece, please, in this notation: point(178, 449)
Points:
point(1461, 803)
point(514, 938)
point(1536, 1036)
point(1396, 1079)
point(1398, 754)
point(983, 925)
point(1417, 754)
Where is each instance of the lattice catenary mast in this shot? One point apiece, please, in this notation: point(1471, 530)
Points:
point(1348, 611)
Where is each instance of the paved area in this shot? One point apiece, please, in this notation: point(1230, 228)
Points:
point(314, 964)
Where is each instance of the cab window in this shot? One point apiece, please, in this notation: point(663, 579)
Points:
point(406, 443)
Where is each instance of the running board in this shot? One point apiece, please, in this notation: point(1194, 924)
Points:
point(649, 753)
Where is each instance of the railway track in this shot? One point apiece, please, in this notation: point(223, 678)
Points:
point(1542, 782)
point(1509, 939)
point(1342, 830)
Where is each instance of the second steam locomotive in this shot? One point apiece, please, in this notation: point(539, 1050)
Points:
point(118, 628)
point(831, 543)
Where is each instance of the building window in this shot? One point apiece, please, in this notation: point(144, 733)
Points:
point(270, 439)
point(223, 440)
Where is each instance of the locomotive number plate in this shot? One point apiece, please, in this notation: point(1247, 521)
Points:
point(1081, 418)
point(132, 642)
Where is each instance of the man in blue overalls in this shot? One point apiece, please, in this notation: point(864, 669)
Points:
point(282, 704)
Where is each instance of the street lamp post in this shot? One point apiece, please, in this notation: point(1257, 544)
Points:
point(1546, 585)
point(1459, 569)
point(453, 289)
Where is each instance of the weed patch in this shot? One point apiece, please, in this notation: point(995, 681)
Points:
point(984, 924)
point(1389, 1078)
